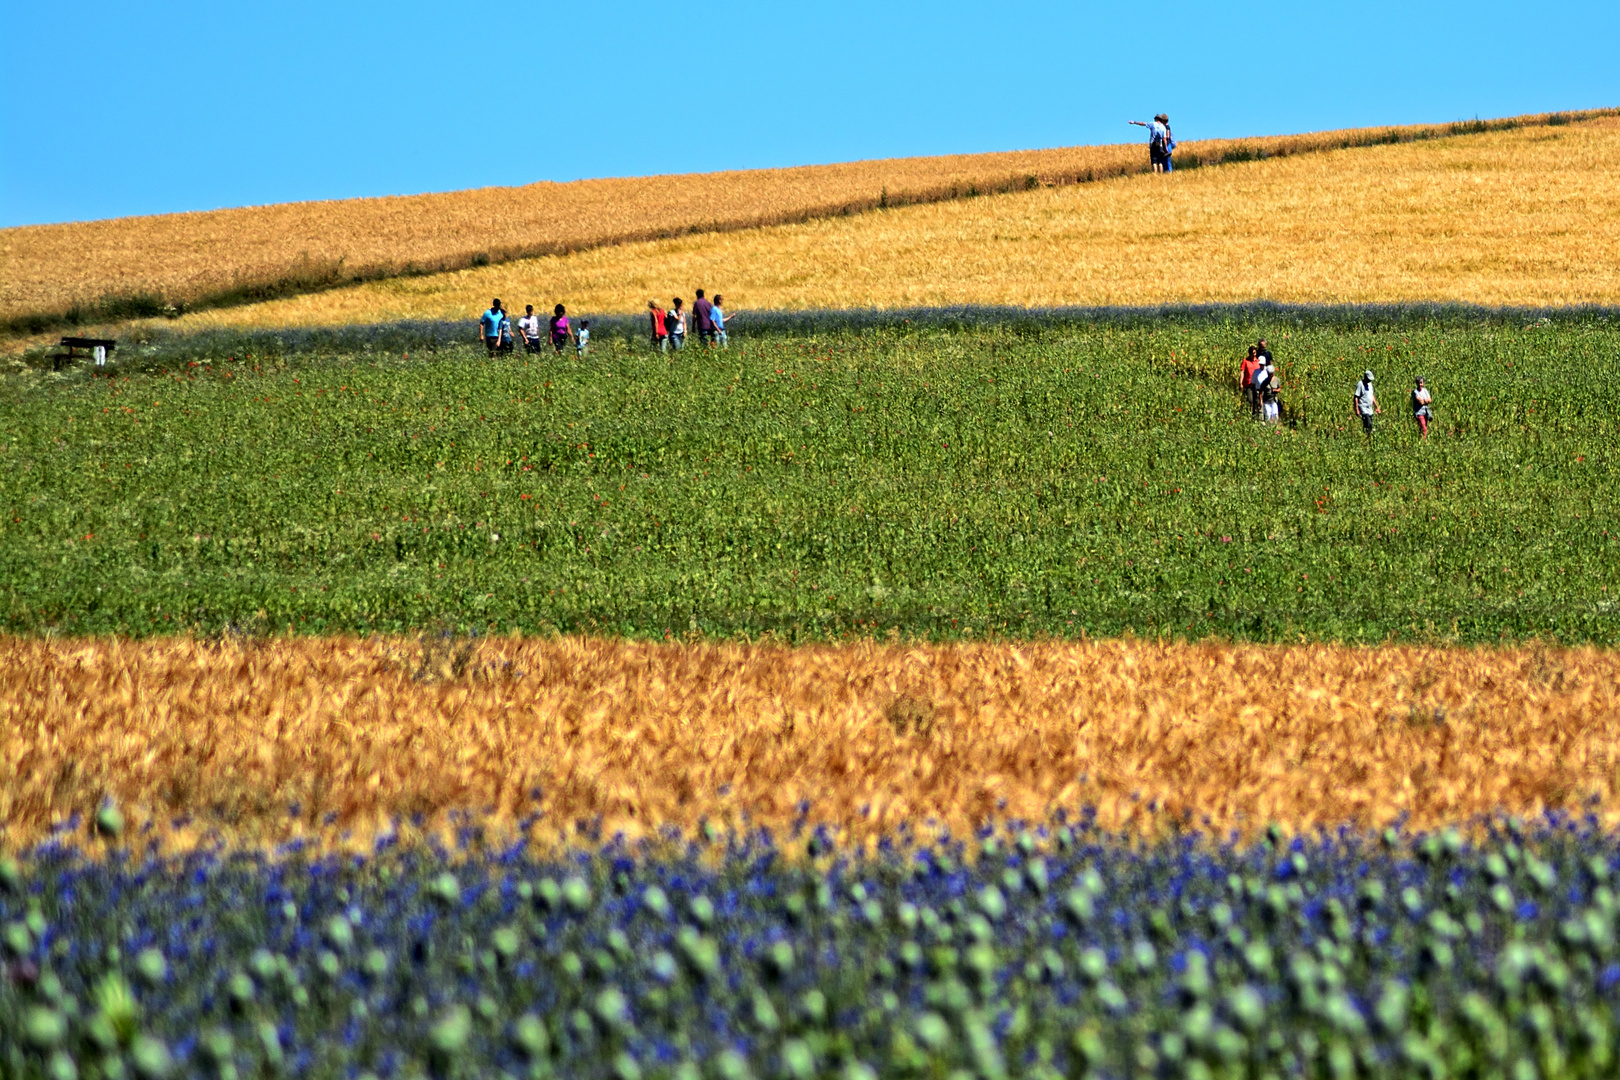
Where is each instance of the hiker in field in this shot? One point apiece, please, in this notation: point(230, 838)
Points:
point(719, 316)
point(489, 324)
point(702, 316)
point(506, 344)
point(529, 329)
point(1422, 406)
point(660, 333)
point(1270, 391)
point(1169, 146)
point(1263, 350)
point(559, 328)
point(675, 323)
point(582, 340)
point(1158, 141)
point(1364, 403)
point(1259, 384)
point(1251, 364)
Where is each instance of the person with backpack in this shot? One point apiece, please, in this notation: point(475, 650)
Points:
point(1269, 389)
point(1158, 141)
point(675, 323)
point(489, 325)
point(1422, 407)
point(660, 334)
point(1364, 403)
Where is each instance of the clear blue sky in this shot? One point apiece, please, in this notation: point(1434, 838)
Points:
point(121, 108)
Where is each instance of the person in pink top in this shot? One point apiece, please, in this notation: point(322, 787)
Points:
point(560, 333)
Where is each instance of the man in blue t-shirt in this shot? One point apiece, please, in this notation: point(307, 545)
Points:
point(490, 324)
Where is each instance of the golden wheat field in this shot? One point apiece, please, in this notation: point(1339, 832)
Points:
point(186, 258)
point(635, 734)
point(1528, 216)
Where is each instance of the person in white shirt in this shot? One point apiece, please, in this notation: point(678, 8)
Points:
point(1364, 403)
point(529, 327)
point(582, 339)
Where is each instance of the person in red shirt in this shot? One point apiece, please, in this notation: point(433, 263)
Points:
point(1246, 379)
point(660, 336)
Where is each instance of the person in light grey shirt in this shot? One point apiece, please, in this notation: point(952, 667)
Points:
point(1364, 402)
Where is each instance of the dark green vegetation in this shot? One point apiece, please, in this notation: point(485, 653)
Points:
point(1011, 480)
point(1057, 952)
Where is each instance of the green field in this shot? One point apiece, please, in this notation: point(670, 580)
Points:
point(1003, 482)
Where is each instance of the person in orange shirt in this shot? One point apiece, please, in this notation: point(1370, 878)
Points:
point(1246, 379)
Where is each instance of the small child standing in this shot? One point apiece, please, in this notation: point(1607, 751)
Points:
point(582, 340)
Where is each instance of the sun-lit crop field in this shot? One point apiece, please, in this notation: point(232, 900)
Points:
point(124, 267)
point(330, 736)
point(1525, 217)
point(967, 694)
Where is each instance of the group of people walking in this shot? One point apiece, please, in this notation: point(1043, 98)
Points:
point(1364, 403)
point(1161, 144)
point(706, 318)
point(1260, 384)
point(669, 326)
point(1261, 387)
point(495, 325)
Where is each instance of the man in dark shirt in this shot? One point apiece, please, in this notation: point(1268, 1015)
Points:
point(702, 311)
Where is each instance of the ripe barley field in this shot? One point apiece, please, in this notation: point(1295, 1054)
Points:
point(280, 736)
point(126, 266)
point(1527, 216)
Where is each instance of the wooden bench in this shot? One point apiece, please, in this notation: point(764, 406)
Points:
point(89, 344)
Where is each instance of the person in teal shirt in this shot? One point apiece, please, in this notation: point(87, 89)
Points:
point(490, 324)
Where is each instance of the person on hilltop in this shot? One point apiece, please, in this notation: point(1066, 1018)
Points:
point(559, 328)
point(702, 315)
point(489, 324)
point(1158, 141)
point(1251, 364)
point(529, 329)
point(1422, 406)
point(1364, 403)
point(660, 332)
point(675, 323)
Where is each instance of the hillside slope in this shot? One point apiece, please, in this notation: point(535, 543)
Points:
point(52, 274)
point(1528, 216)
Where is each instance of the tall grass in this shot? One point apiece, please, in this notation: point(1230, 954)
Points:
point(285, 736)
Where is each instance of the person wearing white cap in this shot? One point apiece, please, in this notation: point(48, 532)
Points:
point(1364, 403)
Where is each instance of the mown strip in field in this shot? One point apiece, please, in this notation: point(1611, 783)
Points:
point(281, 736)
point(943, 483)
point(130, 267)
